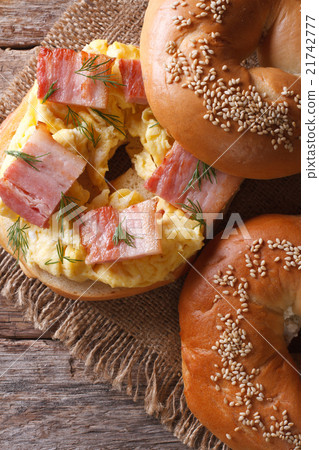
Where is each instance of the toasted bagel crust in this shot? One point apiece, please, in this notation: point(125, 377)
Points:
point(88, 290)
point(273, 28)
point(215, 373)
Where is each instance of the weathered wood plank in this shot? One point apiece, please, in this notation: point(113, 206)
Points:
point(48, 400)
point(23, 24)
point(13, 325)
point(11, 62)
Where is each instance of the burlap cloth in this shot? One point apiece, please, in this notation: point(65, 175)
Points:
point(133, 343)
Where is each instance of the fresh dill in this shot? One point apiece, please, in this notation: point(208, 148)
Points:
point(202, 172)
point(92, 66)
point(83, 126)
point(67, 208)
point(111, 119)
point(123, 235)
point(154, 125)
point(51, 91)
point(195, 210)
point(60, 248)
point(64, 212)
point(17, 239)
point(29, 159)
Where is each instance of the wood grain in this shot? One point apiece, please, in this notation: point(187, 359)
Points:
point(49, 401)
point(13, 325)
point(24, 24)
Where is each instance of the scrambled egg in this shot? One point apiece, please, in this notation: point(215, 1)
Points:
point(147, 143)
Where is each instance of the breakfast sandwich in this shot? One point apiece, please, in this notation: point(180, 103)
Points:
point(97, 199)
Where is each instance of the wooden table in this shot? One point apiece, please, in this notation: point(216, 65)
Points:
point(48, 400)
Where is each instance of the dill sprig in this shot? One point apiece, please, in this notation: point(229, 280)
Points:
point(91, 65)
point(202, 172)
point(17, 239)
point(60, 248)
point(111, 119)
point(51, 91)
point(195, 210)
point(83, 126)
point(154, 125)
point(65, 201)
point(123, 235)
point(29, 159)
point(208, 172)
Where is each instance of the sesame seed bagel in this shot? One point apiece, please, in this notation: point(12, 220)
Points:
point(245, 122)
point(240, 380)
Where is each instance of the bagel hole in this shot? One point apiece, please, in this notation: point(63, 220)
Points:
point(251, 61)
point(118, 164)
point(295, 349)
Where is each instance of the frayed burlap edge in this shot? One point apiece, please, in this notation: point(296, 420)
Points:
point(113, 354)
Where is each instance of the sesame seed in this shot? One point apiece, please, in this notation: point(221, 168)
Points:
point(233, 343)
point(275, 120)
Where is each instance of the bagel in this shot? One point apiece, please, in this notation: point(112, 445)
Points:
point(240, 380)
point(146, 146)
point(245, 122)
point(62, 285)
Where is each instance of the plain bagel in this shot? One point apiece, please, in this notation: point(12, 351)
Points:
point(240, 380)
point(247, 121)
point(86, 290)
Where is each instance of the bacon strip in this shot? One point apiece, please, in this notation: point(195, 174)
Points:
point(35, 194)
point(132, 79)
point(60, 65)
point(100, 225)
point(171, 178)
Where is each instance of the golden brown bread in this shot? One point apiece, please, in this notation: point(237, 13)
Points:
point(179, 54)
point(240, 380)
point(88, 290)
point(280, 46)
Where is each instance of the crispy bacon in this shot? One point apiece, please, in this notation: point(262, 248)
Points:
point(171, 178)
point(34, 194)
point(139, 221)
point(59, 66)
point(131, 72)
